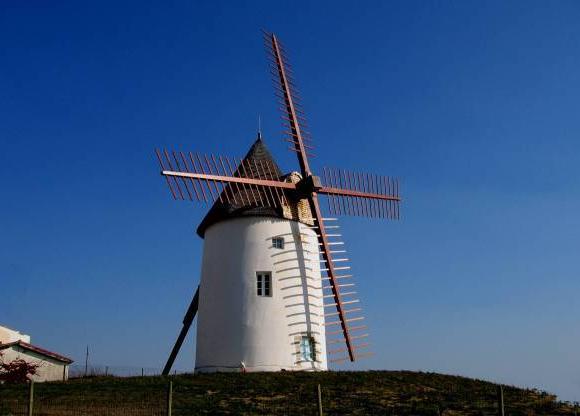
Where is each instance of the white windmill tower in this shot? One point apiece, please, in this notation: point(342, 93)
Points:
point(274, 290)
point(261, 301)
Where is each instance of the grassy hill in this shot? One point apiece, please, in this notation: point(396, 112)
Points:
point(357, 393)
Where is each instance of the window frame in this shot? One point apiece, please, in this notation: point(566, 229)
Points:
point(276, 240)
point(264, 287)
point(307, 354)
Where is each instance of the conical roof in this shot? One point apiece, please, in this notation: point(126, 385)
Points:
point(258, 155)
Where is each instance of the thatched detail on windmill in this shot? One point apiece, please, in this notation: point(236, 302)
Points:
point(296, 208)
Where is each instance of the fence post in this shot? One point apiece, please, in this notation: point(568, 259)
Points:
point(500, 405)
point(169, 397)
point(319, 400)
point(30, 398)
point(87, 361)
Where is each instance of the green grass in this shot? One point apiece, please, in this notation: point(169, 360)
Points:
point(357, 393)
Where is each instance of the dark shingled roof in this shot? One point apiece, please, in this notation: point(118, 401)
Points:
point(225, 210)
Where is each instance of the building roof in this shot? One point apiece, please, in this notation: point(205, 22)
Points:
point(220, 211)
point(38, 350)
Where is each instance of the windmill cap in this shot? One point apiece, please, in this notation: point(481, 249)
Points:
point(221, 211)
point(297, 210)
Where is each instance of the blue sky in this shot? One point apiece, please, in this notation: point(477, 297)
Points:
point(474, 105)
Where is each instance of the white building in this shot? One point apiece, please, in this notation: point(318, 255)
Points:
point(14, 345)
point(260, 296)
point(8, 335)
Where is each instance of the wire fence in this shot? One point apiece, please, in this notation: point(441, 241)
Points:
point(77, 371)
point(43, 399)
point(224, 394)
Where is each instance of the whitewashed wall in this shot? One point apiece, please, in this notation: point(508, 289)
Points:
point(234, 324)
point(8, 335)
point(49, 370)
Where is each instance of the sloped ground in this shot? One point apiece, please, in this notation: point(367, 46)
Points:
point(356, 393)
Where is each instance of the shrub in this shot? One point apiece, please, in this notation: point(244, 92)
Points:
point(17, 371)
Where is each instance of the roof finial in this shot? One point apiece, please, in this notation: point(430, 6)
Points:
point(259, 127)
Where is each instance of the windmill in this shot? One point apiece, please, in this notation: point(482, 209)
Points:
point(275, 291)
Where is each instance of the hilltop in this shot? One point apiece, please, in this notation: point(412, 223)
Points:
point(357, 393)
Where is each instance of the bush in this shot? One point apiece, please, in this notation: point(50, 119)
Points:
point(16, 371)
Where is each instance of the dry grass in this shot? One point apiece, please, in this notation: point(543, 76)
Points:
point(356, 393)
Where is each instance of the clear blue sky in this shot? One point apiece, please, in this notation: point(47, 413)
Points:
point(473, 104)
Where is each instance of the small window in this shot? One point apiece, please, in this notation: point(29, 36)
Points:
point(307, 351)
point(264, 283)
point(278, 242)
